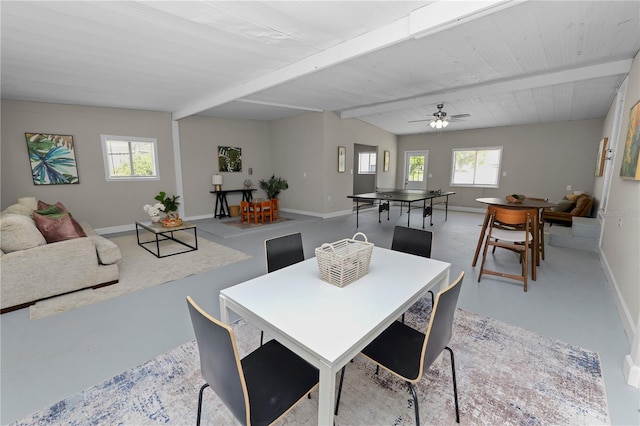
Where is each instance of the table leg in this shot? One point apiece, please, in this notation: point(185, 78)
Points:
point(408, 212)
point(535, 256)
point(431, 215)
point(446, 208)
point(326, 395)
point(481, 237)
point(215, 209)
point(357, 211)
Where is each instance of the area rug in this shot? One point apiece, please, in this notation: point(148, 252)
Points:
point(506, 376)
point(140, 269)
point(249, 225)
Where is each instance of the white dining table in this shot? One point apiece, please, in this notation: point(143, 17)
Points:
point(328, 325)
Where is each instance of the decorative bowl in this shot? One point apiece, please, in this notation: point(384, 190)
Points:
point(515, 198)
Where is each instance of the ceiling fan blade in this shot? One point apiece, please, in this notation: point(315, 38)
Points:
point(460, 116)
point(417, 121)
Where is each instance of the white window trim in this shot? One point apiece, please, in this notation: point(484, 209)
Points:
point(369, 153)
point(472, 185)
point(105, 158)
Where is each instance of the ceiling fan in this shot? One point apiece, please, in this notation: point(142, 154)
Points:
point(440, 119)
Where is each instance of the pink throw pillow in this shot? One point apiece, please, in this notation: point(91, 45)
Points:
point(56, 228)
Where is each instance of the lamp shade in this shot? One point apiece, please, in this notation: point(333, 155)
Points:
point(216, 180)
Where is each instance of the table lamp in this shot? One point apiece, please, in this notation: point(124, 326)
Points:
point(216, 180)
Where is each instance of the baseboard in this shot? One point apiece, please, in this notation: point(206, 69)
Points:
point(631, 372)
point(627, 321)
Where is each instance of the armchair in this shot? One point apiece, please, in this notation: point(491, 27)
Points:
point(581, 208)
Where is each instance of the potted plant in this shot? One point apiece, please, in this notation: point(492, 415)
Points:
point(273, 186)
point(170, 203)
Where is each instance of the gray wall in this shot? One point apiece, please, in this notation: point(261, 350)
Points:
point(302, 149)
point(539, 160)
point(94, 200)
point(199, 140)
point(620, 245)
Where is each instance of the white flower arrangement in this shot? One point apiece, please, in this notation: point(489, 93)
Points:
point(154, 210)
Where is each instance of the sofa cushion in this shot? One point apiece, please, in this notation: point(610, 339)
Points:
point(58, 227)
point(108, 251)
point(30, 202)
point(42, 205)
point(51, 210)
point(19, 233)
point(563, 205)
point(18, 209)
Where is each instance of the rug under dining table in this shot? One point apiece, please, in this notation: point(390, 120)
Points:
point(506, 375)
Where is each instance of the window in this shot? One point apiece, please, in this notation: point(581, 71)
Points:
point(479, 167)
point(129, 158)
point(367, 163)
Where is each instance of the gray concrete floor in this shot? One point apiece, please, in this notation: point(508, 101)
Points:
point(44, 361)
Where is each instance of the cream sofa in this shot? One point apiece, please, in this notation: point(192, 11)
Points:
point(32, 269)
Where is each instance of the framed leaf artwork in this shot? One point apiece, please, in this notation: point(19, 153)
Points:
point(52, 158)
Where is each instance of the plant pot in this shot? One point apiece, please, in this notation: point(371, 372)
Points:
point(155, 219)
point(234, 211)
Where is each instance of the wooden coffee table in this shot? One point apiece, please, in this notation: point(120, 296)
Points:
point(162, 234)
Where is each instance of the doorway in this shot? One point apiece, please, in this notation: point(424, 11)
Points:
point(364, 162)
point(415, 169)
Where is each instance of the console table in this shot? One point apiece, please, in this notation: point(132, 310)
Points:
point(221, 208)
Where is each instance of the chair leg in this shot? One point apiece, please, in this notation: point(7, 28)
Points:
point(415, 402)
point(340, 390)
point(261, 337)
point(206, 385)
point(455, 385)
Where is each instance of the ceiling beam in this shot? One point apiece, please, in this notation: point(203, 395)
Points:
point(492, 88)
point(435, 17)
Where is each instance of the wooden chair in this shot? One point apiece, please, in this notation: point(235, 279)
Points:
point(246, 212)
point(263, 210)
point(540, 226)
point(407, 353)
point(510, 228)
point(275, 208)
point(259, 388)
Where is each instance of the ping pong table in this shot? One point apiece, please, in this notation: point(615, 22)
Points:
point(385, 196)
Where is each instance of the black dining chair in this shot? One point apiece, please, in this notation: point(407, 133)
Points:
point(407, 353)
point(414, 241)
point(281, 252)
point(259, 388)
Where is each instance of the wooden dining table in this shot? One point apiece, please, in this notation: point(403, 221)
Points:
point(527, 203)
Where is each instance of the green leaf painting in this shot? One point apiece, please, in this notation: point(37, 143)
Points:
point(229, 159)
point(52, 158)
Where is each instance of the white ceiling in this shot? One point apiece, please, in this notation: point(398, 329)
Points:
point(383, 62)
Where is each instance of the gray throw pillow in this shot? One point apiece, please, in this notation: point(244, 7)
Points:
point(563, 206)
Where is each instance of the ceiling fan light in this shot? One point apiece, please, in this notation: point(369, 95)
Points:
point(445, 123)
point(432, 124)
point(439, 124)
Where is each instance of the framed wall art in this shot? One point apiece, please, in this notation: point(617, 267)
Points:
point(229, 159)
point(52, 159)
point(342, 159)
point(385, 165)
point(601, 155)
point(630, 167)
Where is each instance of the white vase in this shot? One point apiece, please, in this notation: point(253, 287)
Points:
point(155, 219)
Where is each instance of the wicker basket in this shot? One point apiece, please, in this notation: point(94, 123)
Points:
point(344, 261)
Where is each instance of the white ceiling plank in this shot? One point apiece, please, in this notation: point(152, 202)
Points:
point(421, 22)
point(559, 77)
